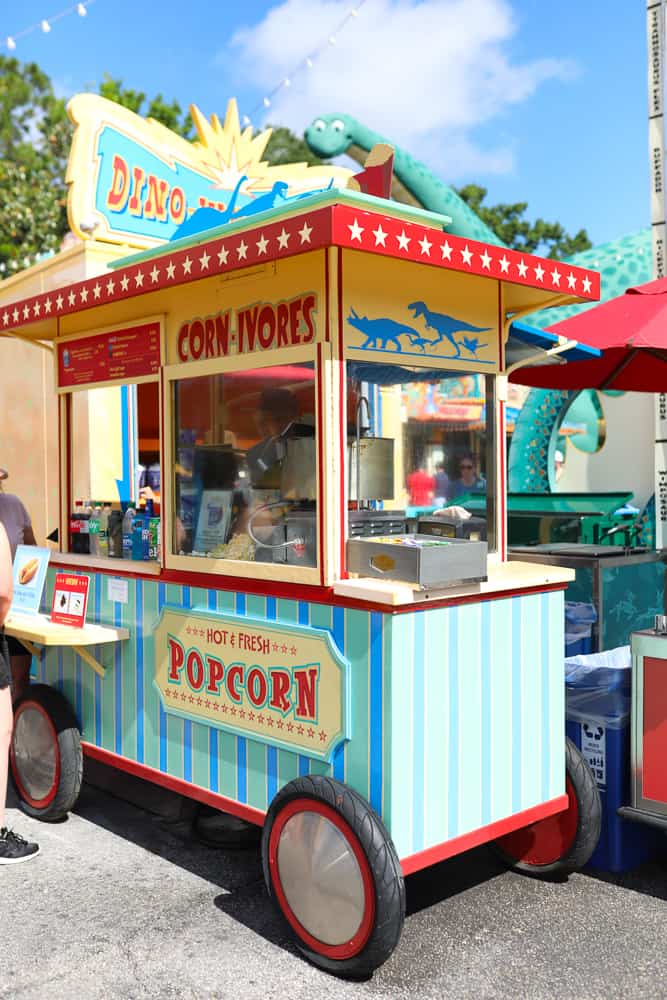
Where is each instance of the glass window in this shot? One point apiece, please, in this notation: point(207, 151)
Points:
point(245, 466)
point(115, 456)
point(430, 437)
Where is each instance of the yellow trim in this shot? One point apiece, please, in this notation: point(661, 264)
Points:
point(46, 346)
point(90, 660)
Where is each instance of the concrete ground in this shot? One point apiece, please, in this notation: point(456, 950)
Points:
point(123, 903)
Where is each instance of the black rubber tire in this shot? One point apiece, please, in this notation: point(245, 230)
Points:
point(69, 750)
point(382, 859)
point(589, 820)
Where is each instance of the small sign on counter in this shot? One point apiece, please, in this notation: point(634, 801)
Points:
point(70, 599)
point(30, 563)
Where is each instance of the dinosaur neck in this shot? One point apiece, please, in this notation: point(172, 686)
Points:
point(422, 188)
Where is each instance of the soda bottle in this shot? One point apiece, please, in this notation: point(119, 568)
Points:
point(94, 531)
point(128, 524)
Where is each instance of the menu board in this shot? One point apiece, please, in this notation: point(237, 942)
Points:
point(116, 356)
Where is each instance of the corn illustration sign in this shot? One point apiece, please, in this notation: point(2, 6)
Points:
point(286, 686)
point(135, 182)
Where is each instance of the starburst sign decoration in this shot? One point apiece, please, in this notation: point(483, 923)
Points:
point(134, 182)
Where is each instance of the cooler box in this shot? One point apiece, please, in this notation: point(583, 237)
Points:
point(598, 702)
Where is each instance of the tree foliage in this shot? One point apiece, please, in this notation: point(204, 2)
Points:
point(167, 113)
point(286, 147)
point(509, 223)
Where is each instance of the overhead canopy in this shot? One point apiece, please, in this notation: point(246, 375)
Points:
point(630, 331)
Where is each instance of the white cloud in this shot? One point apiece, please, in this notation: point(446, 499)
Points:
point(423, 73)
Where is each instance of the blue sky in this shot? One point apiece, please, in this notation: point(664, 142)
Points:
point(539, 102)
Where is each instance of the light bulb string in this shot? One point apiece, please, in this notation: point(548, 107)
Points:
point(44, 24)
point(307, 62)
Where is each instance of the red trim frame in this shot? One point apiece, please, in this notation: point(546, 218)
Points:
point(231, 806)
point(457, 845)
point(53, 791)
point(501, 446)
point(359, 940)
point(342, 387)
point(320, 462)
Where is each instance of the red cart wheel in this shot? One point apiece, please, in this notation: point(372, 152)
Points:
point(45, 754)
point(331, 868)
point(564, 842)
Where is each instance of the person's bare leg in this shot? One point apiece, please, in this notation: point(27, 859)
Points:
point(6, 721)
point(20, 674)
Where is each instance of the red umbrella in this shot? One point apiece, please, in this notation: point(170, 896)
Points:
point(631, 332)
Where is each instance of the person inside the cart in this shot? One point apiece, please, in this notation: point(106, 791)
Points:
point(13, 848)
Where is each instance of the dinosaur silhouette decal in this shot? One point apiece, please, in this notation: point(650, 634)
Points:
point(384, 334)
point(446, 326)
point(381, 332)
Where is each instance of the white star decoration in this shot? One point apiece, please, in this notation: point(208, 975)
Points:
point(587, 284)
point(446, 251)
point(111, 284)
point(26, 311)
point(355, 230)
point(380, 236)
point(15, 315)
point(203, 261)
point(486, 260)
point(124, 283)
point(242, 250)
point(97, 290)
point(171, 271)
point(305, 233)
point(539, 272)
point(223, 254)
point(59, 303)
point(84, 294)
point(504, 264)
point(426, 246)
point(403, 241)
point(155, 274)
point(262, 244)
point(71, 298)
point(466, 255)
point(139, 279)
point(571, 280)
point(555, 277)
point(36, 308)
point(522, 267)
point(47, 306)
point(5, 318)
point(187, 265)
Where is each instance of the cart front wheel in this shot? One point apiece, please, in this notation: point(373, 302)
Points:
point(562, 843)
point(331, 868)
point(46, 758)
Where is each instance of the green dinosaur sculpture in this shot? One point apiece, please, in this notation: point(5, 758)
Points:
point(414, 184)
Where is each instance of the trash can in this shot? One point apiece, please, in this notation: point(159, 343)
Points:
point(598, 699)
point(579, 621)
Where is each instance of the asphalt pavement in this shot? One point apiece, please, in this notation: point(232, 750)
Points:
point(126, 904)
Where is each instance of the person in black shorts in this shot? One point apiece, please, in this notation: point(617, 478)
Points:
point(13, 848)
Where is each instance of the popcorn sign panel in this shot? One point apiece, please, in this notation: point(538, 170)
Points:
point(287, 686)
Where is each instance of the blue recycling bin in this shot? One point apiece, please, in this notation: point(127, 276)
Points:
point(598, 703)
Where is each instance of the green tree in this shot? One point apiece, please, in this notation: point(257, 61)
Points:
point(169, 114)
point(286, 147)
point(509, 224)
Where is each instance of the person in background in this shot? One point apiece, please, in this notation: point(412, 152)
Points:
point(421, 485)
point(16, 521)
point(469, 480)
point(13, 848)
point(441, 484)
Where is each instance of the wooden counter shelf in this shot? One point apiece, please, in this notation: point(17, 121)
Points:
point(38, 630)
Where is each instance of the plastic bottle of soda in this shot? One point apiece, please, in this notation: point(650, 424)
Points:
point(103, 537)
point(94, 530)
point(128, 523)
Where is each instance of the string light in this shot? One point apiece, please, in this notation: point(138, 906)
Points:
point(307, 63)
point(45, 24)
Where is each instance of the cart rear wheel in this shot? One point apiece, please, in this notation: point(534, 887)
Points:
point(332, 870)
point(564, 842)
point(46, 758)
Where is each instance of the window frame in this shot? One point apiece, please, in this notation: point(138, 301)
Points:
point(237, 567)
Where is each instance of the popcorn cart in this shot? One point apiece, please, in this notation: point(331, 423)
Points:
point(288, 652)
